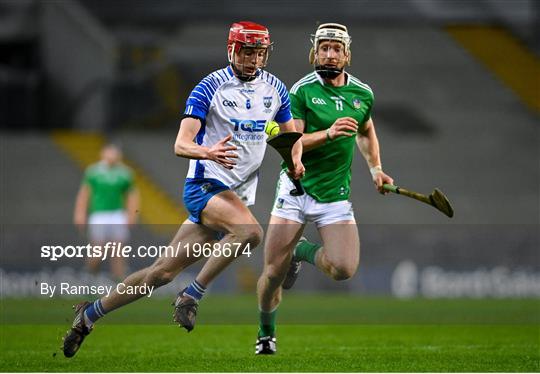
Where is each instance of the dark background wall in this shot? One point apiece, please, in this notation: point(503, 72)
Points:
point(444, 117)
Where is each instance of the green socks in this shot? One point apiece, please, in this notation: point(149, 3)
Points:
point(306, 251)
point(267, 323)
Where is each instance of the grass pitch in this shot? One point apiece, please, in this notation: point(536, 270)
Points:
point(315, 333)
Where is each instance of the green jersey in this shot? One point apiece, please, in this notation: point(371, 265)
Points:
point(328, 167)
point(108, 186)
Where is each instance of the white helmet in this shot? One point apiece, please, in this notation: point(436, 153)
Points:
point(333, 32)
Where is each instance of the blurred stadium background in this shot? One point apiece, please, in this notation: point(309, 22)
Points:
point(457, 88)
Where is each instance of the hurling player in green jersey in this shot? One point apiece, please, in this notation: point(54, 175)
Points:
point(333, 110)
point(107, 203)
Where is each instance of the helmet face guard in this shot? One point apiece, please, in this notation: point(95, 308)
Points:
point(245, 39)
point(330, 32)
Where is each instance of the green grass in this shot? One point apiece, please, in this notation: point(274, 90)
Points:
point(391, 335)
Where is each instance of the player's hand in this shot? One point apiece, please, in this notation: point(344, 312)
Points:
point(298, 172)
point(344, 126)
point(380, 178)
point(221, 153)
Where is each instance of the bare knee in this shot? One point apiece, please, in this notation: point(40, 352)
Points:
point(251, 234)
point(338, 268)
point(341, 272)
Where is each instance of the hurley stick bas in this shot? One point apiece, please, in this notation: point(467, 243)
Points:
point(436, 199)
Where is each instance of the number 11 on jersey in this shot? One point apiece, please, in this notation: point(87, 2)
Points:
point(339, 102)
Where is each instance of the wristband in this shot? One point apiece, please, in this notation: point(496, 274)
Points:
point(375, 169)
point(328, 135)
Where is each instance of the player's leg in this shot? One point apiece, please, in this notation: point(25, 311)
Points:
point(97, 234)
point(165, 268)
point(119, 233)
point(286, 226)
point(161, 272)
point(226, 213)
point(104, 227)
point(281, 237)
point(339, 255)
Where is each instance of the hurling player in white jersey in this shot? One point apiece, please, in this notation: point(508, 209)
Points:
point(222, 133)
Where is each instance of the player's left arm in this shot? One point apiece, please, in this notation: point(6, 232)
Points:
point(296, 151)
point(368, 144)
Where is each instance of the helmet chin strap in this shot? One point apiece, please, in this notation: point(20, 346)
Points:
point(327, 72)
point(244, 77)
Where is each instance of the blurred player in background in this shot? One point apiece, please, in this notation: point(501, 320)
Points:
point(333, 110)
point(222, 132)
point(107, 203)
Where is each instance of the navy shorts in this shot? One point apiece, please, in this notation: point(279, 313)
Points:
point(197, 192)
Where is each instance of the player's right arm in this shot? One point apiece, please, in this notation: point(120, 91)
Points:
point(81, 205)
point(221, 152)
point(344, 126)
point(197, 108)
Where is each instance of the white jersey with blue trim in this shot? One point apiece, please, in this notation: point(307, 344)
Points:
point(227, 105)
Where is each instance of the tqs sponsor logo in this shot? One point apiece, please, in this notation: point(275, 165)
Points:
point(248, 125)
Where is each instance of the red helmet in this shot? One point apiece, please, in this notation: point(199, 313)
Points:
point(248, 34)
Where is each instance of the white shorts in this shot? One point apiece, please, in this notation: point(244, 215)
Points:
point(108, 227)
point(305, 208)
